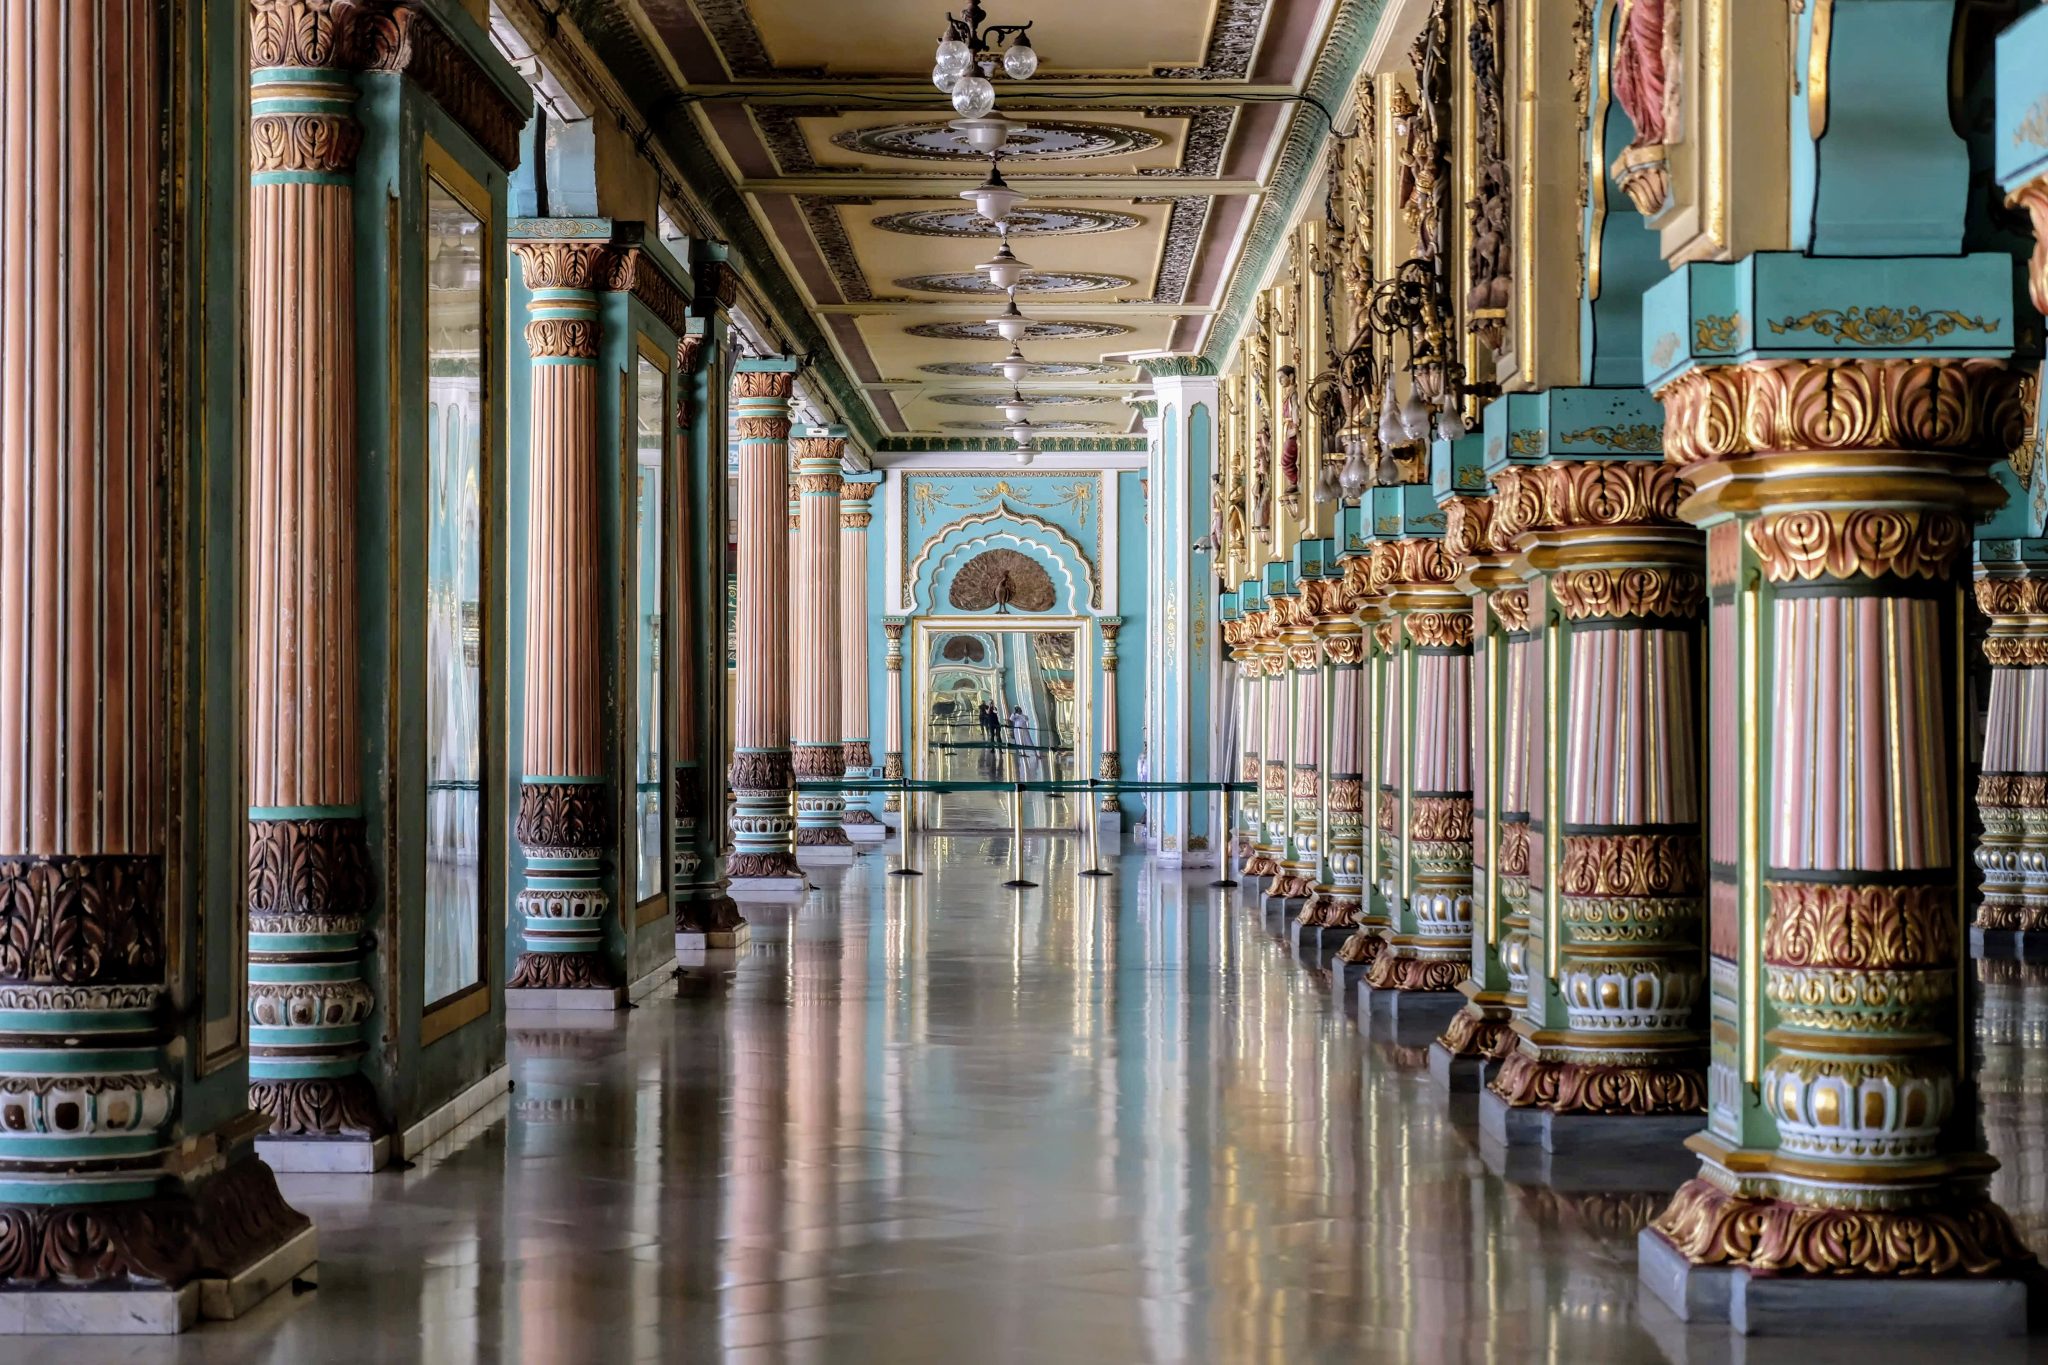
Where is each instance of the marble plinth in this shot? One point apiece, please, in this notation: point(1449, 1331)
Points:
point(325, 1156)
point(767, 888)
point(99, 1312)
point(715, 940)
point(867, 834)
point(599, 998)
point(824, 855)
point(1615, 1135)
point(1405, 1018)
point(2013, 945)
point(1830, 1306)
point(233, 1295)
point(1457, 1075)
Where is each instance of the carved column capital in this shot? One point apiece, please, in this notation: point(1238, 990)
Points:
point(553, 264)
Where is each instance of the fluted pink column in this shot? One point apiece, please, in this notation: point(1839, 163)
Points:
point(855, 747)
point(310, 883)
point(763, 832)
point(102, 1191)
point(565, 815)
point(816, 752)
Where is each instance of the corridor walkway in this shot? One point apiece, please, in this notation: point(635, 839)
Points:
point(925, 1121)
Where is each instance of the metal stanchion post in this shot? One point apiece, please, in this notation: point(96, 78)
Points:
point(1228, 841)
point(1017, 881)
point(903, 830)
point(1095, 867)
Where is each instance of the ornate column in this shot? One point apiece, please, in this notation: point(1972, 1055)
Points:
point(1610, 1022)
point(706, 917)
point(310, 883)
point(892, 759)
point(857, 753)
point(1109, 765)
point(1428, 780)
point(1181, 691)
point(1378, 721)
point(565, 813)
point(1341, 875)
point(125, 1168)
point(764, 842)
point(1481, 1030)
point(1272, 687)
point(816, 751)
point(1837, 496)
point(1251, 691)
point(1300, 660)
point(2012, 789)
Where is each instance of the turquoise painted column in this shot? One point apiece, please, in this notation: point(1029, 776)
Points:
point(817, 662)
point(1179, 726)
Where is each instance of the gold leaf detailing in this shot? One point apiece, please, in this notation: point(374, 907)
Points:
point(1883, 326)
point(1526, 1081)
point(561, 337)
point(1712, 1226)
point(1717, 333)
point(1864, 542)
point(1824, 924)
point(1607, 594)
point(1640, 438)
point(1630, 865)
point(1441, 629)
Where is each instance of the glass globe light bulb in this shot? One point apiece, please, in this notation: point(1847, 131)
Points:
point(1003, 269)
point(1019, 430)
point(1014, 366)
point(1391, 433)
point(1450, 423)
point(1017, 410)
point(993, 198)
point(973, 97)
point(945, 80)
point(1021, 61)
point(1012, 325)
point(953, 55)
point(1415, 417)
point(1025, 454)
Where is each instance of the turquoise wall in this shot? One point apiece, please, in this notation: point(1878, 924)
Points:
point(1132, 568)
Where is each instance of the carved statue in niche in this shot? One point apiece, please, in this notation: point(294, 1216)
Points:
point(1645, 83)
point(1262, 477)
point(1422, 170)
point(1258, 370)
point(1489, 259)
point(1290, 441)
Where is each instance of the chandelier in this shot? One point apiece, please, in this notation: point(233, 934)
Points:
point(964, 67)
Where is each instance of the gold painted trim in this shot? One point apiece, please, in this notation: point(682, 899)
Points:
point(1817, 58)
point(1594, 149)
point(466, 1006)
point(1553, 810)
point(1749, 949)
point(632, 911)
point(1496, 787)
point(440, 167)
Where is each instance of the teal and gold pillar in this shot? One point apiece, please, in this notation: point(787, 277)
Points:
point(1301, 773)
point(1377, 748)
point(1836, 490)
point(856, 514)
point(1269, 661)
point(892, 707)
point(1426, 758)
point(1340, 641)
point(1610, 1023)
point(2012, 785)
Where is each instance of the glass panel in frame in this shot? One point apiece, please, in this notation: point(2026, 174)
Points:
point(650, 449)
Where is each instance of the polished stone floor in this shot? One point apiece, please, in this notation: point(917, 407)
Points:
point(929, 1120)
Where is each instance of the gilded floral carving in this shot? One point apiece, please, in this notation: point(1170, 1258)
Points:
point(557, 337)
point(77, 920)
point(1972, 407)
point(1882, 326)
point(1829, 924)
point(1858, 542)
point(1610, 594)
point(303, 142)
point(555, 264)
point(1511, 605)
point(1590, 1088)
point(1630, 865)
point(1440, 629)
point(1713, 1226)
point(1446, 819)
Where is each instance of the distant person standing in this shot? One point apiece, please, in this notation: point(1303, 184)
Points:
point(991, 723)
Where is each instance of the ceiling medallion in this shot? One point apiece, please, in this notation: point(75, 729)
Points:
point(1023, 222)
point(1036, 369)
point(998, 400)
point(1037, 282)
point(937, 140)
point(1037, 426)
point(1037, 331)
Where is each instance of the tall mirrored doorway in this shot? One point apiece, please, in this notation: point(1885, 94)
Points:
point(997, 703)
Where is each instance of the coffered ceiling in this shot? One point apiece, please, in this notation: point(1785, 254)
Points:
point(1147, 140)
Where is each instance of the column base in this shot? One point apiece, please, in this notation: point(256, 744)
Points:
point(561, 973)
point(605, 998)
point(184, 1242)
point(1363, 948)
point(755, 867)
point(2016, 945)
point(325, 1156)
point(811, 838)
point(871, 831)
point(1398, 969)
point(1603, 1135)
point(1480, 1032)
point(1456, 1073)
point(1761, 1304)
point(1314, 940)
point(1409, 1019)
point(1673, 1087)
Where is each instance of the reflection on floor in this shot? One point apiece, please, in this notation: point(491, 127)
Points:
point(925, 1120)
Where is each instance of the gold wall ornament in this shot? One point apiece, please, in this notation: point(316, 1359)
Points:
point(2006, 652)
point(1828, 924)
point(1422, 561)
point(1528, 444)
point(2013, 596)
point(1859, 542)
point(1578, 494)
point(1883, 326)
point(1468, 530)
point(1640, 438)
point(1608, 594)
point(1519, 506)
point(1716, 334)
point(1972, 407)
point(1709, 1225)
point(1440, 629)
